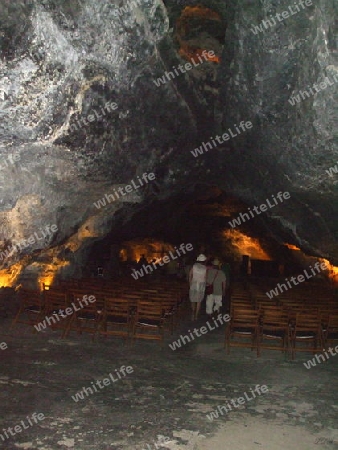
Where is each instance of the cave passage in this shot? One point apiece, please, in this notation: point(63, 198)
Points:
point(213, 223)
point(168, 224)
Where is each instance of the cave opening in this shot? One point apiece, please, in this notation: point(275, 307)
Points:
point(207, 218)
point(200, 29)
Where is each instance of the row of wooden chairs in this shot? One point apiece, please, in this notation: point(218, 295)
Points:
point(129, 309)
point(307, 314)
point(121, 285)
point(256, 329)
point(120, 317)
point(258, 300)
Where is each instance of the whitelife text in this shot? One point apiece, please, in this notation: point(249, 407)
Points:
point(149, 268)
point(262, 208)
point(127, 189)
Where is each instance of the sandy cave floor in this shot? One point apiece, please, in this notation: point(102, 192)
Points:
point(165, 401)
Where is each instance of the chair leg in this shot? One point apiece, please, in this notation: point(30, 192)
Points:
point(227, 343)
point(16, 318)
point(293, 348)
point(68, 327)
point(14, 321)
point(98, 327)
point(258, 345)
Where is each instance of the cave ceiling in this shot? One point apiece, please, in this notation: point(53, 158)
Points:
point(93, 96)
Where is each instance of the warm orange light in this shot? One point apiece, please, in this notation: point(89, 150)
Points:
point(246, 245)
point(193, 55)
point(187, 51)
point(332, 271)
point(291, 246)
point(150, 248)
point(5, 279)
point(45, 282)
point(8, 277)
point(200, 11)
point(48, 272)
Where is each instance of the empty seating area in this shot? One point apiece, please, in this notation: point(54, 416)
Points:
point(127, 309)
point(303, 319)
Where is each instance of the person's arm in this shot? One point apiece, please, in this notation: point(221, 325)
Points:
point(190, 276)
point(223, 288)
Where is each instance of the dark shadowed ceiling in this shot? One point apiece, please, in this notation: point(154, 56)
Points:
point(93, 95)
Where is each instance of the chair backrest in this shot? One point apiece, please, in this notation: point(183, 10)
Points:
point(241, 304)
point(55, 300)
point(273, 309)
point(117, 307)
point(274, 318)
point(245, 317)
point(149, 310)
point(307, 321)
point(133, 297)
point(150, 291)
point(30, 296)
point(333, 322)
point(78, 296)
point(241, 307)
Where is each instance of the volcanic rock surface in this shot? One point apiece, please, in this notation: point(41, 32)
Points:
point(81, 115)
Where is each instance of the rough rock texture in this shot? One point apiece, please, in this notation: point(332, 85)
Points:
point(63, 63)
point(290, 147)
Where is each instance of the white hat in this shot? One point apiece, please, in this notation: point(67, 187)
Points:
point(201, 258)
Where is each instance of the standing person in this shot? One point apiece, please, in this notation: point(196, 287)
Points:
point(142, 261)
point(215, 277)
point(197, 279)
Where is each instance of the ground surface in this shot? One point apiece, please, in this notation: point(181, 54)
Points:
point(165, 401)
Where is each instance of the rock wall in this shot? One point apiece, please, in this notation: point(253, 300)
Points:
point(82, 116)
point(291, 147)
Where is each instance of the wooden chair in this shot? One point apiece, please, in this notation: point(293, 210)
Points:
point(76, 295)
point(244, 324)
point(274, 327)
point(169, 307)
point(31, 310)
point(330, 332)
point(306, 329)
point(240, 304)
point(85, 317)
point(116, 318)
point(179, 295)
point(133, 298)
point(264, 309)
point(261, 304)
point(294, 310)
point(149, 321)
point(56, 303)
